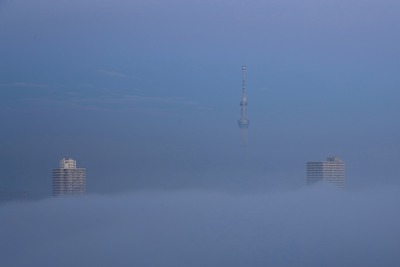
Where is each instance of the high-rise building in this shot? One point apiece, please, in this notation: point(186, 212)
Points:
point(68, 179)
point(331, 170)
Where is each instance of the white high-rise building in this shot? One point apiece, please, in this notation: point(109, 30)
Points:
point(331, 170)
point(68, 179)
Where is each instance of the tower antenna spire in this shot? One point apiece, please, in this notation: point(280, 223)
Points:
point(243, 121)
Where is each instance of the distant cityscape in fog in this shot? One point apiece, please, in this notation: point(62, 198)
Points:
point(159, 90)
point(68, 179)
point(204, 133)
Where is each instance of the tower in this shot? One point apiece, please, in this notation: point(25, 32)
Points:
point(243, 121)
point(331, 170)
point(68, 179)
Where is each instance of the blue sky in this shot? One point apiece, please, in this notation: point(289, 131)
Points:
point(152, 88)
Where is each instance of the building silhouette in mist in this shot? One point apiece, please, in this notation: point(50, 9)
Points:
point(68, 179)
point(331, 170)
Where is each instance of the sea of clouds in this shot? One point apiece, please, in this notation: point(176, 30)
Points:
point(313, 226)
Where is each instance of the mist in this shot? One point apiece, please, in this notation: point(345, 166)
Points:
point(145, 95)
point(313, 226)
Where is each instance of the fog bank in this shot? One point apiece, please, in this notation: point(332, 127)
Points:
point(317, 226)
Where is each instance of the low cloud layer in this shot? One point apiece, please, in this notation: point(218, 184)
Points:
point(317, 226)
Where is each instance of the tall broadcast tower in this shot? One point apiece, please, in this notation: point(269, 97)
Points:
point(243, 121)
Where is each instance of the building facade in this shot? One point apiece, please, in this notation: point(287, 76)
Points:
point(331, 170)
point(68, 179)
